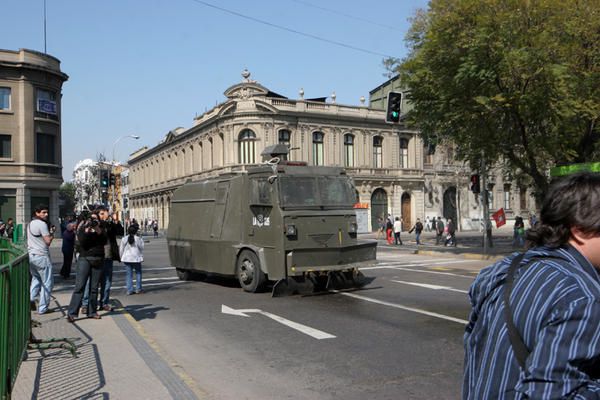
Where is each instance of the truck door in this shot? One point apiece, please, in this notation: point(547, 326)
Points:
point(218, 217)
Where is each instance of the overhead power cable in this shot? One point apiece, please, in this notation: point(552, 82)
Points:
point(306, 3)
point(310, 35)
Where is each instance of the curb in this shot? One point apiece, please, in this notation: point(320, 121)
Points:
point(469, 256)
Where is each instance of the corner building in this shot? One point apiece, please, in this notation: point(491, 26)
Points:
point(387, 162)
point(30, 133)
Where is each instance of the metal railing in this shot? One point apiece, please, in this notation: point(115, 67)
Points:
point(15, 314)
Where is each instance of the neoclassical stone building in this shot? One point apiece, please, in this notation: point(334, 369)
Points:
point(30, 133)
point(391, 169)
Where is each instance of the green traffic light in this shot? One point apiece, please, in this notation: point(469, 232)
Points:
point(395, 114)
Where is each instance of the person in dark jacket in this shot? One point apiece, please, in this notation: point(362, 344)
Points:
point(92, 238)
point(451, 238)
point(68, 248)
point(113, 229)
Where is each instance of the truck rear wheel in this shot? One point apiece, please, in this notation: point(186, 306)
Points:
point(248, 272)
point(184, 274)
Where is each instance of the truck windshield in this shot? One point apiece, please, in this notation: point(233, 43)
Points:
point(322, 191)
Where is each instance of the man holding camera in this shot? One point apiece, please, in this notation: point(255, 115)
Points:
point(92, 238)
point(39, 238)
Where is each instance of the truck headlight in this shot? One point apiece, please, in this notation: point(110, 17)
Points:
point(290, 230)
point(352, 227)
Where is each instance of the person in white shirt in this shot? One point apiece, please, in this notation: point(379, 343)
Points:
point(397, 230)
point(131, 251)
point(39, 238)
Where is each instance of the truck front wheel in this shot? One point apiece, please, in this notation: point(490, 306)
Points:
point(248, 272)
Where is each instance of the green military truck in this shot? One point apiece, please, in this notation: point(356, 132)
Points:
point(284, 222)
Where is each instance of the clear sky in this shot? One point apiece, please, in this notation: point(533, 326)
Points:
point(144, 67)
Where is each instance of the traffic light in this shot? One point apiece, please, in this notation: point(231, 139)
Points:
point(112, 180)
point(103, 179)
point(475, 185)
point(394, 103)
point(125, 203)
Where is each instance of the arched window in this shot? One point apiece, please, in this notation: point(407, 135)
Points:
point(284, 138)
point(378, 152)
point(246, 147)
point(349, 150)
point(403, 153)
point(318, 155)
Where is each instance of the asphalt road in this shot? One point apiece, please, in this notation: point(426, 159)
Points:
point(400, 338)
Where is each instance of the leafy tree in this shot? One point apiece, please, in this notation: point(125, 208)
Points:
point(517, 82)
point(66, 193)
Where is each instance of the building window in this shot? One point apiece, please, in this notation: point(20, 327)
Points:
point(403, 153)
point(45, 149)
point(523, 198)
point(284, 138)
point(428, 152)
point(4, 98)
point(377, 152)
point(46, 104)
point(318, 155)
point(348, 150)
point(507, 197)
point(246, 146)
point(450, 154)
point(5, 146)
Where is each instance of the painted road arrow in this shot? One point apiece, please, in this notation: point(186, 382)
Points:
point(317, 334)
point(434, 287)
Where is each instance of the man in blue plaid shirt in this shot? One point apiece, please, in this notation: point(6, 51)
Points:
point(543, 340)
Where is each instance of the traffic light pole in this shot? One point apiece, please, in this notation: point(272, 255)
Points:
point(485, 208)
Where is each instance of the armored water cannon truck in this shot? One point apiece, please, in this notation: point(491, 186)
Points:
point(282, 221)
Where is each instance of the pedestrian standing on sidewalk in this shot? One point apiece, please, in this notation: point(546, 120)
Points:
point(39, 237)
point(439, 230)
point(451, 238)
point(533, 328)
point(428, 224)
point(131, 251)
point(68, 248)
point(91, 236)
point(389, 229)
point(418, 228)
point(155, 228)
point(380, 227)
point(397, 230)
point(10, 228)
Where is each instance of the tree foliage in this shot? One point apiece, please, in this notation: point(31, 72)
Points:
point(66, 193)
point(517, 81)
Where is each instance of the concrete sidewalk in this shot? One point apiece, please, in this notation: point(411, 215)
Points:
point(116, 359)
point(469, 244)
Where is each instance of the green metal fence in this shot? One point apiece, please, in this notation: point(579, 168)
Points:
point(15, 314)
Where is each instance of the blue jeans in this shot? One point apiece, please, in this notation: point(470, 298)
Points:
point(42, 281)
point(129, 267)
point(85, 274)
point(418, 237)
point(105, 285)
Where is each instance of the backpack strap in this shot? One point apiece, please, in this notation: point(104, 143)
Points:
point(516, 340)
point(521, 351)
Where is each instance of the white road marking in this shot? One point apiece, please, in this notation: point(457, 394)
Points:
point(412, 309)
point(317, 334)
point(425, 271)
point(434, 287)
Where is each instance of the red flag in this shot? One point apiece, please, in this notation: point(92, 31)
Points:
point(499, 217)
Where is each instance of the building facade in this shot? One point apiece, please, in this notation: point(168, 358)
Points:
point(30, 133)
point(392, 171)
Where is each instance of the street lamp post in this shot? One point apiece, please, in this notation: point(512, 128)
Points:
point(114, 162)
